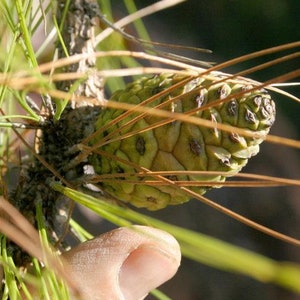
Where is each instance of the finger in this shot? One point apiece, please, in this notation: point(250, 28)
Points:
point(125, 263)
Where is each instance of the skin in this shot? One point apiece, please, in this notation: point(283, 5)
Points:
point(124, 264)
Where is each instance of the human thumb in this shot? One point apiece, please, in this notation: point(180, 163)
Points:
point(126, 263)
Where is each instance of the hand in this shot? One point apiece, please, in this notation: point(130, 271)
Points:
point(126, 263)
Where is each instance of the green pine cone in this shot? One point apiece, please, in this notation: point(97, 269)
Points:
point(180, 146)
